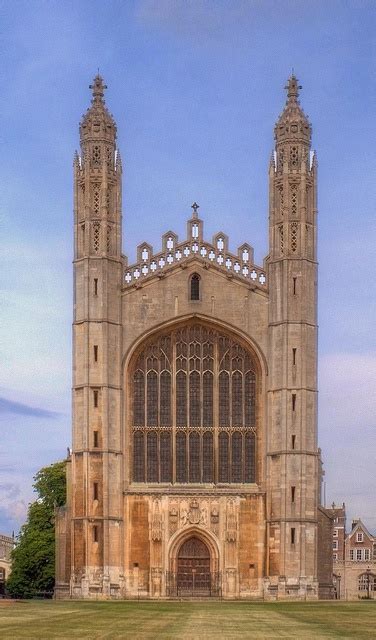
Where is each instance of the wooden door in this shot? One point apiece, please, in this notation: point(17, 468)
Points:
point(194, 568)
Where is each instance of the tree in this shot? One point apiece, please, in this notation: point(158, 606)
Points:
point(33, 559)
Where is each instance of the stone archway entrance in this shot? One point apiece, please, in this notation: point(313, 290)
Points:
point(193, 568)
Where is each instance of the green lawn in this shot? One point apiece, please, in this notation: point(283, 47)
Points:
point(188, 620)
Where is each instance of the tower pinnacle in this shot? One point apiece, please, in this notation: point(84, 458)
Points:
point(292, 87)
point(97, 121)
point(292, 125)
point(98, 88)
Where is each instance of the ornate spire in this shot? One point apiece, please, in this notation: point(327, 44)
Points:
point(292, 124)
point(97, 121)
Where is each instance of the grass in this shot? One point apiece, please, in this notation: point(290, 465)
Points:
point(187, 620)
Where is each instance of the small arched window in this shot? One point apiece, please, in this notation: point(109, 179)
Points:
point(195, 287)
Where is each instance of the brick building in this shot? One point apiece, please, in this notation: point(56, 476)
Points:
point(354, 558)
point(6, 546)
point(195, 468)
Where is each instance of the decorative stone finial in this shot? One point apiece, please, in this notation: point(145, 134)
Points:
point(292, 87)
point(98, 87)
point(195, 206)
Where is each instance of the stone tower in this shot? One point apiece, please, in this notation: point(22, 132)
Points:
point(96, 525)
point(194, 468)
point(292, 454)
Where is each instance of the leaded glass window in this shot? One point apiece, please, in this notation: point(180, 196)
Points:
point(181, 457)
point(195, 287)
point(207, 457)
point(193, 408)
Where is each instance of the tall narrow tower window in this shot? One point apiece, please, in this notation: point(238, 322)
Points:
point(294, 156)
point(294, 201)
point(96, 199)
point(82, 239)
point(195, 287)
point(109, 155)
point(96, 236)
point(96, 155)
point(95, 286)
point(294, 237)
point(281, 239)
point(280, 194)
point(108, 240)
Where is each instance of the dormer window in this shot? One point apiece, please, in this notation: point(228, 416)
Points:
point(359, 536)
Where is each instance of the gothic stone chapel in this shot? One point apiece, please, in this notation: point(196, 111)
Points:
point(194, 468)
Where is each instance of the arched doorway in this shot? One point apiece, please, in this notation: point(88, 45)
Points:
point(193, 568)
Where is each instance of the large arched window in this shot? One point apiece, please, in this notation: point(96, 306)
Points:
point(193, 418)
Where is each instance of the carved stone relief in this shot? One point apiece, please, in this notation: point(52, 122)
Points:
point(214, 518)
point(156, 523)
point(194, 514)
point(231, 522)
point(173, 518)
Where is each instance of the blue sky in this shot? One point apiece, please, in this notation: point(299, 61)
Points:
point(195, 88)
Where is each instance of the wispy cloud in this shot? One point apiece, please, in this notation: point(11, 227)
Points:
point(18, 408)
point(13, 508)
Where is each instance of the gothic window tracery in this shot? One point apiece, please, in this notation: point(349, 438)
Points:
point(108, 199)
point(96, 199)
point(281, 240)
point(294, 156)
point(96, 236)
point(108, 240)
point(96, 157)
point(280, 158)
point(280, 198)
point(194, 397)
point(294, 201)
point(109, 156)
point(294, 237)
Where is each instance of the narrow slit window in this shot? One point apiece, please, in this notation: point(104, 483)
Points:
point(95, 286)
point(294, 356)
point(293, 442)
point(292, 535)
point(292, 494)
point(82, 238)
point(195, 287)
point(95, 353)
point(95, 491)
point(294, 286)
point(95, 439)
point(95, 533)
point(95, 398)
point(293, 398)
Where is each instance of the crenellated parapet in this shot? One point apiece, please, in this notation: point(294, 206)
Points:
point(213, 254)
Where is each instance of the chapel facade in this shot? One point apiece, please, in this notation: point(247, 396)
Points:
point(195, 468)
